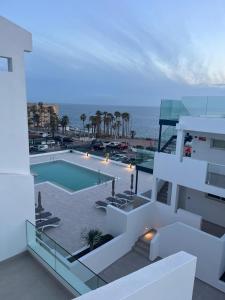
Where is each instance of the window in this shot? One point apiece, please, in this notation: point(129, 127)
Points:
point(219, 144)
point(5, 64)
point(215, 197)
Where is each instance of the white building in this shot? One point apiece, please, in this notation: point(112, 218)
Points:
point(188, 194)
point(17, 188)
point(191, 184)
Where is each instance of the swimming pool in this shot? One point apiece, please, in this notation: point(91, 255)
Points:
point(67, 175)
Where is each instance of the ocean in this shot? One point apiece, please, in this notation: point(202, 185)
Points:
point(144, 120)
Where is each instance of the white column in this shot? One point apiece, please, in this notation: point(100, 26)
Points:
point(154, 188)
point(180, 144)
point(175, 196)
point(17, 187)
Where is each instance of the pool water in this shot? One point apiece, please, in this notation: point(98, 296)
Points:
point(67, 175)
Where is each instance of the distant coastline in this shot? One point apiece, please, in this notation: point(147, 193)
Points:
point(144, 120)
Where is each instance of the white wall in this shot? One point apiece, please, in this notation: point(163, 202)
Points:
point(188, 172)
point(169, 279)
point(202, 150)
point(17, 192)
point(197, 202)
point(127, 227)
point(208, 249)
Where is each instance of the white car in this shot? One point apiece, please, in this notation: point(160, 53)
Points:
point(50, 142)
point(42, 147)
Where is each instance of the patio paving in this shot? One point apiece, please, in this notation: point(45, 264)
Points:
point(133, 261)
point(77, 211)
point(23, 278)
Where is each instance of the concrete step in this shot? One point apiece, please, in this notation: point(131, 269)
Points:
point(141, 251)
point(142, 244)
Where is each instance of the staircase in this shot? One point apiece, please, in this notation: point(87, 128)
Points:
point(163, 193)
point(142, 245)
point(170, 145)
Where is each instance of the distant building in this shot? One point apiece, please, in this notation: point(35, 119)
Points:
point(39, 114)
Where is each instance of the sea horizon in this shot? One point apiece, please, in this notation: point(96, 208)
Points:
point(143, 119)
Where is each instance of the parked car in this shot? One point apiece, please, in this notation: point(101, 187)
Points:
point(50, 142)
point(106, 143)
point(42, 147)
point(123, 146)
point(113, 145)
point(67, 140)
point(58, 138)
point(98, 146)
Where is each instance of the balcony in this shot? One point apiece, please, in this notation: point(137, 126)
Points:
point(23, 277)
point(192, 173)
point(78, 277)
point(216, 175)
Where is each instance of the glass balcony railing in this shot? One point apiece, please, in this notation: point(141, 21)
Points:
point(192, 106)
point(78, 276)
point(216, 175)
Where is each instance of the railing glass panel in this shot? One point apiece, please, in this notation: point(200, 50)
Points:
point(192, 106)
point(76, 274)
point(216, 175)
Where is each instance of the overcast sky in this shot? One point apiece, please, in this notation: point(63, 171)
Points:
point(122, 51)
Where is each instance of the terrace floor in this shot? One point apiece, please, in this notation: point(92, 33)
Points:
point(22, 277)
point(212, 228)
point(77, 211)
point(133, 261)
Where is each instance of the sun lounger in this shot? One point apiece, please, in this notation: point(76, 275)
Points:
point(129, 193)
point(129, 198)
point(101, 204)
point(53, 222)
point(119, 202)
point(39, 210)
point(116, 200)
point(43, 216)
point(104, 204)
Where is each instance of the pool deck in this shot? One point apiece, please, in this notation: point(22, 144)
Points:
point(77, 211)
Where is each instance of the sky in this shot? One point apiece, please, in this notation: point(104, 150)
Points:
point(125, 52)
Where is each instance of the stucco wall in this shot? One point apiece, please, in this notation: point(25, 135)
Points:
point(17, 188)
point(169, 279)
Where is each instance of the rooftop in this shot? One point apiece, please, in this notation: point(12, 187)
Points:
point(22, 277)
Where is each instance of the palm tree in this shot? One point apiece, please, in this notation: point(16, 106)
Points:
point(99, 121)
point(88, 126)
point(83, 118)
point(64, 122)
point(126, 116)
point(105, 116)
point(123, 115)
point(132, 133)
point(117, 114)
point(111, 118)
point(93, 120)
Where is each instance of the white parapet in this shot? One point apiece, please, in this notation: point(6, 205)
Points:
point(16, 189)
point(169, 279)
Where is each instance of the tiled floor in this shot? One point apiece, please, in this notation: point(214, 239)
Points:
point(77, 212)
point(23, 278)
point(132, 261)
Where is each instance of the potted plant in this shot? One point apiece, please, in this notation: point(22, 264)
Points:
point(91, 237)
